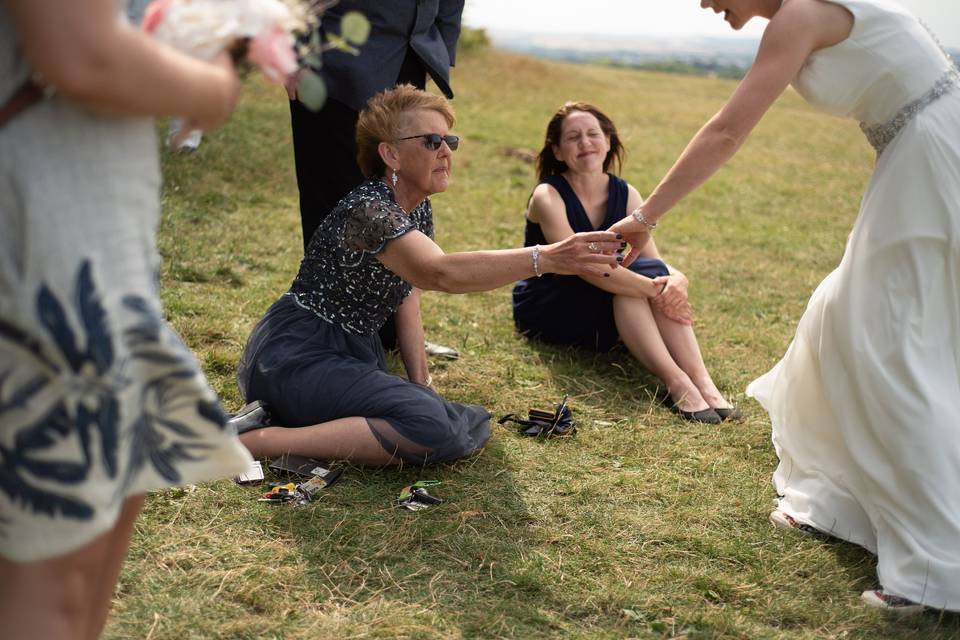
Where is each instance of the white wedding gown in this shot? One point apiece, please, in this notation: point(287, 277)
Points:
point(865, 405)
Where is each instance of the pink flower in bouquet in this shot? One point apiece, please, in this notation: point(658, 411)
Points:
point(153, 15)
point(273, 52)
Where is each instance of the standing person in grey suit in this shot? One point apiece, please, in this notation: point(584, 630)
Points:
point(409, 40)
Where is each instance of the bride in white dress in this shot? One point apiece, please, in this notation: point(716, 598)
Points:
point(865, 405)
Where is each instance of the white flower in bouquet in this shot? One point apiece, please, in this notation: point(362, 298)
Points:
point(261, 32)
point(204, 28)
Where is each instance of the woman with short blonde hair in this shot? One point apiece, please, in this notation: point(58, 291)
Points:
point(314, 363)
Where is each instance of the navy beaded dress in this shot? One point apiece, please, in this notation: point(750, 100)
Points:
point(316, 356)
point(568, 309)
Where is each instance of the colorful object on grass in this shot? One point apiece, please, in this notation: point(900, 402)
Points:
point(416, 497)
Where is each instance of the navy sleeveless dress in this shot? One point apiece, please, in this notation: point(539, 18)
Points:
point(568, 309)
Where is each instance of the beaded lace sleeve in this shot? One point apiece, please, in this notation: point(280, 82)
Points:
point(370, 224)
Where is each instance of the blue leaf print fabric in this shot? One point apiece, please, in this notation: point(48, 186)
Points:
point(97, 404)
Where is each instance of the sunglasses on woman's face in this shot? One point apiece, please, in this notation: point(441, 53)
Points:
point(433, 141)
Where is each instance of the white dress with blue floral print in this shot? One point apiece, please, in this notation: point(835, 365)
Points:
point(99, 398)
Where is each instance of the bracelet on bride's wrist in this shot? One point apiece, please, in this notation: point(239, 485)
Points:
point(638, 216)
point(535, 256)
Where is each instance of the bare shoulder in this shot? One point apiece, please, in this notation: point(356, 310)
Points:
point(826, 23)
point(544, 202)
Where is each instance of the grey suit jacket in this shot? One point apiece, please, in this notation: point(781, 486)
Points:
point(429, 27)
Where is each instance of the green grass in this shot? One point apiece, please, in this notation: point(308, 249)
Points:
point(643, 526)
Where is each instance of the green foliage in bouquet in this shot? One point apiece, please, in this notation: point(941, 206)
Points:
point(354, 31)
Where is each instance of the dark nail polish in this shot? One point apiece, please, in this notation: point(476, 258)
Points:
point(619, 258)
point(623, 245)
point(606, 275)
point(619, 236)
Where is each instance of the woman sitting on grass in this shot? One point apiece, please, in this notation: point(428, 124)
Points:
point(315, 359)
point(645, 306)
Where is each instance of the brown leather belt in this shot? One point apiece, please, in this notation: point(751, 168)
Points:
point(23, 98)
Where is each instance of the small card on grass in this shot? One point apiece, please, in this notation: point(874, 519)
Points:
point(253, 475)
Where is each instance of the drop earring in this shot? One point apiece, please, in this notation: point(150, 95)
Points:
point(394, 178)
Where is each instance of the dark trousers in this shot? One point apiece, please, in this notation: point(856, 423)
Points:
point(325, 154)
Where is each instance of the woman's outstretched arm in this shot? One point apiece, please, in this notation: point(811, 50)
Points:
point(418, 260)
point(549, 211)
point(799, 28)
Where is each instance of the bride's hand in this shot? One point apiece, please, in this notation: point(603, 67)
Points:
point(673, 299)
point(634, 233)
point(590, 253)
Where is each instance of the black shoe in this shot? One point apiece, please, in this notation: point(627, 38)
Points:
point(254, 415)
point(730, 413)
point(707, 416)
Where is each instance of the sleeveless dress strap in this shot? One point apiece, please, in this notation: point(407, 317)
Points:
point(616, 202)
point(617, 193)
point(576, 214)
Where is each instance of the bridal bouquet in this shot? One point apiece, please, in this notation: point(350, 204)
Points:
point(268, 34)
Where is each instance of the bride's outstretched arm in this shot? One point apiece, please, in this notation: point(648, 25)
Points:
point(798, 29)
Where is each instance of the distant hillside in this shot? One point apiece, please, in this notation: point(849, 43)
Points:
point(719, 57)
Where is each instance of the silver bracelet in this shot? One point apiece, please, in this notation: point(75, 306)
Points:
point(536, 261)
point(638, 216)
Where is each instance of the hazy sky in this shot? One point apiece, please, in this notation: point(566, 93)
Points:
point(657, 17)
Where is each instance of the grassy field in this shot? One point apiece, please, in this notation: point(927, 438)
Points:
point(643, 526)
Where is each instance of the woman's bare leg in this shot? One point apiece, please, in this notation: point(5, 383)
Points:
point(342, 439)
point(66, 597)
point(639, 331)
point(681, 341)
point(117, 553)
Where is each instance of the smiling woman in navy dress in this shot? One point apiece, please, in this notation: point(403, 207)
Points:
point(645, 306)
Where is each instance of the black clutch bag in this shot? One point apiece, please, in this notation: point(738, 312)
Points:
point(545, 424)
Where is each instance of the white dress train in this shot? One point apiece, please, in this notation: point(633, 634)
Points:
point(865, 405)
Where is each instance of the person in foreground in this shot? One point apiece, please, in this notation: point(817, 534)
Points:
point(646, 305)
point(315, 359)
point(865, 405)
point(99, 400)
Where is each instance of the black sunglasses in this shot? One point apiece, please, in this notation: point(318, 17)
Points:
point(433, 141)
